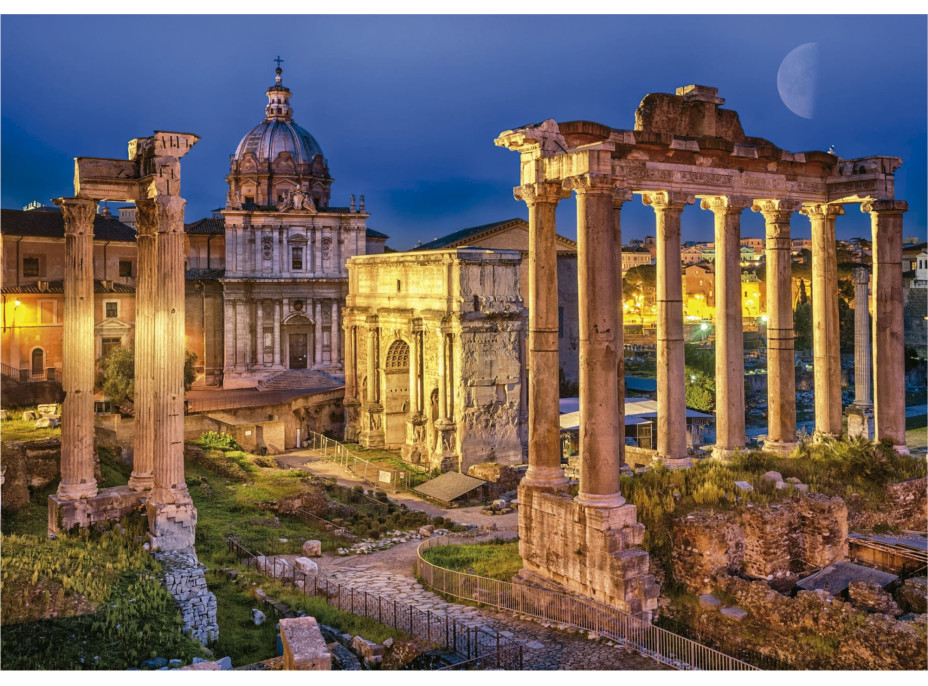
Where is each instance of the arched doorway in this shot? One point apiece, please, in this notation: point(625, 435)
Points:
point(298, 331)
point(38, 362)
point(396, 392)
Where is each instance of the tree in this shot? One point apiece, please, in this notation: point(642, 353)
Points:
point(117, 374)
point(700, 390)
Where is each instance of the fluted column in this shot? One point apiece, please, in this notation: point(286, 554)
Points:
point(143, 477)
point(781, 361)
point(414, 374)
point(442, 376)
point(351, 363)
point(373, 352)
point(888, 325)
point(671, 365)
point(169, 486)
point(729, 333)
point(601, 445)
point(862, 360)
point(544, 445)
point(77, 364)
point(826, 345)
point(334, 339)
point(619, 198)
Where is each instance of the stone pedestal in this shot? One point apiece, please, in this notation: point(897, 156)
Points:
point(416, 449)
point(108, 505)
point(352, 419)
point(171, 526)
point(446, 446)
point(592, 551)
point(371, 435)
point(860, 422)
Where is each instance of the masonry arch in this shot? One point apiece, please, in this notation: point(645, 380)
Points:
point(396, 392)
point(37, 362)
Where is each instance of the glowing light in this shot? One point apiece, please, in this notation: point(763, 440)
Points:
point(693, 377)
point(704, 326)
point(763, 318)
point(17, 304)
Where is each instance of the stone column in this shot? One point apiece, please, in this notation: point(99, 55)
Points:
point(171, 514)
point(237, 334)
point(414, 375)
point(276, 333)
point(371, 434)
point(729, 337)
point(888, 328)
point(601, 445)
point(442, 376)
point(671, 371)
point(146, 336)
point(77, 364)
point(781, 360)
point(334, 339)
point(826, 347)
point(544, 445)
point(860, 413)
point(619, 198)
point(317, 360)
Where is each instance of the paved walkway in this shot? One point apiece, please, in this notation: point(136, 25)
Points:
point(391, 575)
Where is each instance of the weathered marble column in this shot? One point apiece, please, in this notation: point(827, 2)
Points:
point(334, 339)
point(544, 444)
point(860, 413)
point(442, 376)
point(317, 329)
point(826, 345)
point(729, 333)
point(276, 333)
point(671, 370)
point(259, 333)
point(143, 461)
point(888, 326)
point(781, 359)
point(371, 434)
point(602, 441)
point(620, 196)
point(414, 375)
point(77, 363)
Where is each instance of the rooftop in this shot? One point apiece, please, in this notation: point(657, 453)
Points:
point(49, 223)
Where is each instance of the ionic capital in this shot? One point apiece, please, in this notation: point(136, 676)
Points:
point(591, 183)
point(884, 206)
point(821, 211)
point(542, 192)
point(78, 215)
point(162, 214)
point(667, 200)
point(725, 204)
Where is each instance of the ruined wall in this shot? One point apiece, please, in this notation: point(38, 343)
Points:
point(591, 551)
point(906, 507)
point(767, 542)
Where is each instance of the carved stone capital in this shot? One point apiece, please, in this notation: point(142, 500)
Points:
point(78, 215)
point(778, 210)
point(668, 200)
point(162, 214)
point(591, 183)
point(725, 204)
point(821, 211)
point(620, 196)
point(542, 192)
point(884, 206)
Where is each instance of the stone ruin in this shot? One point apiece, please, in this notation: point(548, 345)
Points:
point(683, 147)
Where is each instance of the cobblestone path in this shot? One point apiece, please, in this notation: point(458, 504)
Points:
point(543, 648)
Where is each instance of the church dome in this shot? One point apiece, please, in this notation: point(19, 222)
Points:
point(274, 136)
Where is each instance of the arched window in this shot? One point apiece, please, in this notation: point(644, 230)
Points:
point(38, 361)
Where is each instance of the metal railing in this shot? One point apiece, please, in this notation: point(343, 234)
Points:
point(369, 472)
point(477, 648)
point(29, 376)
point(659, 644)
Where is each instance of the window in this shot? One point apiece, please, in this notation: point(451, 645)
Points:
point(32, 266)
point(38, 361)
point(110, 344)
point(47, 312)
point(125, 268)
point(296, 259)
point(111, 308)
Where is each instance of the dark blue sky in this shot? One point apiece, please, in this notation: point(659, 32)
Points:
point(406, 107)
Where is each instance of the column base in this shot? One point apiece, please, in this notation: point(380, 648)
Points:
point(860, 422)
point(600, 501)
point(109, 504)
point(141, 482)
point(780, 447)
point(724, 454)
point(171, 526)
point(819, 436)
point(545, 479)
point(901, 449)
point(79, 491)
point(674, 462)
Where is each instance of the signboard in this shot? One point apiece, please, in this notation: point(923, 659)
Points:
point(385, 477)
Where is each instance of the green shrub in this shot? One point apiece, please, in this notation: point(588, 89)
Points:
point(212, 439)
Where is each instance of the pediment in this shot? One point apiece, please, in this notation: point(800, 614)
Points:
point(112, 326)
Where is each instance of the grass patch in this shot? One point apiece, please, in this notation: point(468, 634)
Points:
point(497, 559)
point(86, 601)
point(19, 430)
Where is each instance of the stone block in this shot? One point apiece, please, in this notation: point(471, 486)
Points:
point(772, 476)
point(303, 644)
point(426, 531)
point(913, 595)
point(225, 663)
point(707, 601)
point(499, 504)
point(48, 410)
point(870, 596)
point(204, 666)
point(802, 488)
point(373, 652)
point(781, 485)
point(257, 617)
point(304, 564)
point(311, 549)
point(46, 423)
point(735, 613)
point(110, 504)
point(744, 486)
point(793, 480)
point(171, 526)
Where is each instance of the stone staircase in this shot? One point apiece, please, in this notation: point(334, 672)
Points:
point(299, 379)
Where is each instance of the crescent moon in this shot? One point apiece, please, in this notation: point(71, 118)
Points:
point(797, 79)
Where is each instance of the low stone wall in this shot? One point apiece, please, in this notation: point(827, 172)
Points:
point(767, 542)
point(590, 551)
point(906, 507)
point(304, 646)
point(185, 579)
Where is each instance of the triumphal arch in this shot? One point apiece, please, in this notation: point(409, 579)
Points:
point(684, 148)
point(150, 178)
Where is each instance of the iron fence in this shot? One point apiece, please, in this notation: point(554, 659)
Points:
point(477, 648)
point(659, 644)
point(371, 473)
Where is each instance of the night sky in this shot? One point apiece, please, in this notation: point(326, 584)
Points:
point(406, 107)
